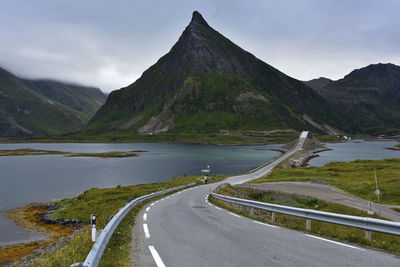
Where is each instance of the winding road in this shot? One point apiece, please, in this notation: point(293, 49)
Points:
point(184, 229)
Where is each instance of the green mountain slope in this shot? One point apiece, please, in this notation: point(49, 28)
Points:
point(207, 83)
point(25, 112)
point(86, 100)
point(369, 97)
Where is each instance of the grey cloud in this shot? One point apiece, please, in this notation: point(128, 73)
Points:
point(110, 43)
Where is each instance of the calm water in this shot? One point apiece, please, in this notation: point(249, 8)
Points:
point(27, 179)
point(358, 149)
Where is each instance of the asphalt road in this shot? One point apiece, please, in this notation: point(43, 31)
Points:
point(327, 193)
point(184, 229)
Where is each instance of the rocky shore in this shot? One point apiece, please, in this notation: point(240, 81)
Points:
point(45, 217)
point(310, 150)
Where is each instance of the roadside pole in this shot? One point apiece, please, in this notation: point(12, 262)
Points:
point(377, 192)
point(93, 223)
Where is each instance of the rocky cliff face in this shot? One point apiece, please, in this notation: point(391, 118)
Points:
point(369, 97)
point(207, 83)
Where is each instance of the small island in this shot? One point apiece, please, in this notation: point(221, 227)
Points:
point(30, 152)
point(111, 154)
point(397, 147)
point(38, 152)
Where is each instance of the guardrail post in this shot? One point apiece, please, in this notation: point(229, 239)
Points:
point(308, 224)
point(368, 235)
point(251, 212)
point(273, 217)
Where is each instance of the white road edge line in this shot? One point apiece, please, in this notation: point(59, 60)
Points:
point(233, 214)
point(152, 204)
point(146, 230)
point(334, 242)
point(217, 207)
point(145, 217)
point(266, 224)
point(156, 257)
point(148, 208)
point(209, 203)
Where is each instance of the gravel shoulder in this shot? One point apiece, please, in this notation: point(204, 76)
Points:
point(327, 193)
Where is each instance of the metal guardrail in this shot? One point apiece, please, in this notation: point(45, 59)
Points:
point(95, 254)
point(368, 224)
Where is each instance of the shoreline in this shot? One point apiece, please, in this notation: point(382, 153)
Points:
point(35, 217)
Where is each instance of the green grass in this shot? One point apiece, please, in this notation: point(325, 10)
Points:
point(293, 200)
point(219, 138)
point(350, 234)
point(105, 203)
point(356, 177)
point(328, 138)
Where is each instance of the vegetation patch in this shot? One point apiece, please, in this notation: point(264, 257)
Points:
point(28, 218)
point(36, 152)
point(30, 152)
point(350, 234)
point(396, 147)
point(111, 154)
point(222, 137)
point(356, 178)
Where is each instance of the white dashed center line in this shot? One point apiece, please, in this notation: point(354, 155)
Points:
point(217, 207)
point(156, 257)
point(146, 230)
point(148, 208)
point(334, 242)
point(233, 214)
point(152, 204)
point(145, 217)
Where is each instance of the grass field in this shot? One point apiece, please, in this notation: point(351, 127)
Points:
point(354, 235)
point(218, 138)
point(356, 178)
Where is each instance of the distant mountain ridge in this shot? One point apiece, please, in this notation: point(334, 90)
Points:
point(318, 84)
point(206, 83)
point(41, 107)
point(369, 97)
point(82, 98)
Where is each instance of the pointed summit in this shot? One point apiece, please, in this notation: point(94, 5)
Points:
point(197, 18)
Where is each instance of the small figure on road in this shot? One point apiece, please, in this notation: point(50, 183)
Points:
point(205, 179)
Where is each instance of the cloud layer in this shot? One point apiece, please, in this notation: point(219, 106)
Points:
point(109, 44)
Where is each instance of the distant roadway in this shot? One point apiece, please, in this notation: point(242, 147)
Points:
point(186, 230)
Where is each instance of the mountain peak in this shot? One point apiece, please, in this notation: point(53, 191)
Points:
point(197, 18)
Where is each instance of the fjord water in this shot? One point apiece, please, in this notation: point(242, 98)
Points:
point(27, 179)
point(357, 149)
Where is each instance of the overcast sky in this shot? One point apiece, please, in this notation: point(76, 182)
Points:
point(109, 44)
